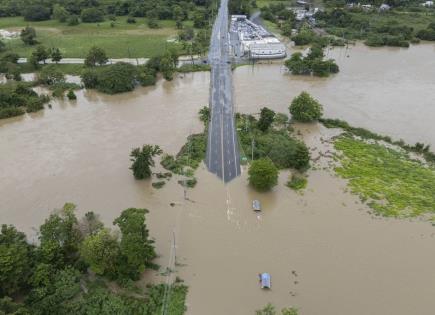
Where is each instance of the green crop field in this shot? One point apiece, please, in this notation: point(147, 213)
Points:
point(121, 41)
point(390, 181)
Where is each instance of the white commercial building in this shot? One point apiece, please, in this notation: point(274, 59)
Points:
point(253, 41)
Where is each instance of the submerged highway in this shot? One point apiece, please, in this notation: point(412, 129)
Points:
point(223, 158)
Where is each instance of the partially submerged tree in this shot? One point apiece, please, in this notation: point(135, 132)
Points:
point(263, 174)
point(305, 108)
point(266, 119)
point(143, 160)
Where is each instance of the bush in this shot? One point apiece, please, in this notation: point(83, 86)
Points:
point(304, 108)
point(263, 174)
point(131, 20)
point(10, 112)
point(297, 182)
point(73, 20)
point(92, 15)
point(50, 75)
point(117, 78)
point(90, 78)
point(36, 13)
point(71, 95)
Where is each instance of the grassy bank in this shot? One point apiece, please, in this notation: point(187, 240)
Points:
point(121, 41)
point(390, 181)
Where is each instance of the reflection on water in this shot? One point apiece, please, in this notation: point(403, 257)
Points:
point(326, 255)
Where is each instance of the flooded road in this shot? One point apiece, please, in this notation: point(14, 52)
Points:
point(325, 253)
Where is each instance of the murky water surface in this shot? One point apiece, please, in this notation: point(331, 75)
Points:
point(325, 253)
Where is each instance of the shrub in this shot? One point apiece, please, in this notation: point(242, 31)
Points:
point(131, 20)
point(263, 174)
point(117, 78)
point(90, 78)
point(304, 108)
point(92, 15)
point(297, 182)
point(73, 20)
point(71, 95)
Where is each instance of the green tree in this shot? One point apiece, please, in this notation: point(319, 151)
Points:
point(204, 114)
point(143, 160)
point(100, 251)
point(266, 119)
point(51, 75)
point(96, 55)
point(60, 13)
point(15, 260)
point(36, 13)
point(137, 248)
point(199, 18)
point(40, 54)
point(28, 35)
point(263, 174)
point(117, 78)
point(60, 236)
point(55, 55)
point(305, 108)
point(92, 15)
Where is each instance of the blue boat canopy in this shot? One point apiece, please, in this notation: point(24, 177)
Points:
point(265, 280)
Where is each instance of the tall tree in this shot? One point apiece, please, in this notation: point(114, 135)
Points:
point(61, 235)
point(143, 160)
point(15, 260)
point(136, 247)
point(101, 251)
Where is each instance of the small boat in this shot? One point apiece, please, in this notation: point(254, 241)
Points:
point(265, 280)
point(256, 205)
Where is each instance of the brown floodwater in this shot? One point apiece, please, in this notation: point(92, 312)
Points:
point(326, 254)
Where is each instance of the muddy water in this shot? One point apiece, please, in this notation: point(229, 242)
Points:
point(387, 90)
point(344, 260)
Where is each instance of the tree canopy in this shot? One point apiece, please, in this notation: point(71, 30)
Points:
point(263, 174)
point(305, 108)
point(142, 159)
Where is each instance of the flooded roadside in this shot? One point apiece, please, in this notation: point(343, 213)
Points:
point(344, 261)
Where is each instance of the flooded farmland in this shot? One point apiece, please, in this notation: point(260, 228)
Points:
point(325, 253)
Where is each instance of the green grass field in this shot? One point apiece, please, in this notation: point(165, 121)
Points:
point(121, 41)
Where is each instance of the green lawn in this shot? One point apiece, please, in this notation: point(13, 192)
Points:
point(392, 183)
point(121, 41)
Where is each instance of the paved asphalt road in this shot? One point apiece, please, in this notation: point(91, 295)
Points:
point(223, 157)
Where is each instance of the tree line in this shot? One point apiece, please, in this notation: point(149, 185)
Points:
point(67, 270)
